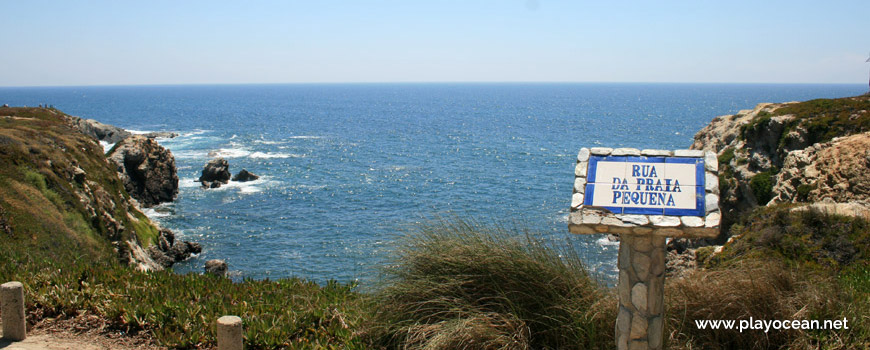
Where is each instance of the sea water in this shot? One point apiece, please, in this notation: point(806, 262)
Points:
point(345, 169)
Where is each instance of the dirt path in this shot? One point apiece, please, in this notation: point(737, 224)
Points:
point(60, 336)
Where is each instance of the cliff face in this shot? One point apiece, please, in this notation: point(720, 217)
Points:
point(59, 194)
point(791, 152)
point(835, 171)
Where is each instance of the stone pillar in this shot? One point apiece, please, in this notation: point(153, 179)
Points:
point(229, 333)
point(12, 310)
point(639, 324)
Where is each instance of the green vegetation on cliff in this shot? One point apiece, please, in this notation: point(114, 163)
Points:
point(57, 193)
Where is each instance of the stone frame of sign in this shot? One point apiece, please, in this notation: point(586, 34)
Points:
point(644, 196)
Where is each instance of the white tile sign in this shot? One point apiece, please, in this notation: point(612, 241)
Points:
point(646, 185)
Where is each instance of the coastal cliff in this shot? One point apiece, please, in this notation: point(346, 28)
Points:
point(62, 196)
point(813, 151)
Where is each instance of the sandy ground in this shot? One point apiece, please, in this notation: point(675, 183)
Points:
point(66, 336)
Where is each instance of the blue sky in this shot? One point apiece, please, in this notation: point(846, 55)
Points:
point(205, 42)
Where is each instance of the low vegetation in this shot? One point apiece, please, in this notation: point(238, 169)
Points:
point(786, 263)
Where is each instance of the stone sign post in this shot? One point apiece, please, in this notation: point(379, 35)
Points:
point(644, 196)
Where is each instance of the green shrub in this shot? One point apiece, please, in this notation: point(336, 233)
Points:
point(726, 156)
point(760, 122)
point(762, 187)
point(803, 192)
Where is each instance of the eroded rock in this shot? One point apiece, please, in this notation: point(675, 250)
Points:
point(147, 170)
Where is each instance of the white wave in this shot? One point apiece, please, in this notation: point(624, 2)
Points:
point(269, 155)
point(189, 154)
point(269, 142)
point(106, 146)
point(305, 137)
point(152, 213)
point(195, 132)
point(247, 187)
point(603, 241)
point(237, 152)
point(138, 132)
point(308, 188)
point(188, 182)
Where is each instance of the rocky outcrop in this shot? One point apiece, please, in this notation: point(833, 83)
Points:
point(215, 173)
point(147, 170)
point(99, 131)
point(167, 251)
point(216, 267)
point(747, 144)
point(837, 171)
point(785, 153)
point(244, 176)
point(160, 134)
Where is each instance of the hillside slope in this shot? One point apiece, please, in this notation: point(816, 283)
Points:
point(791, 152)
point(60, 196)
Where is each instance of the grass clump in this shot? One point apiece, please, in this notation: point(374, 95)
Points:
point(761, 290)
point(787, 263)
point(458, 285)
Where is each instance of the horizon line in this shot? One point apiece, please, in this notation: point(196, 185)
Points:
point(422, 83)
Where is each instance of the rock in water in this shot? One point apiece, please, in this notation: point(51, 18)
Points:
point(244, 176)
point(147, 170)
point(167, 251)
point(215, 173)
point(216, 267)
point(160, 134)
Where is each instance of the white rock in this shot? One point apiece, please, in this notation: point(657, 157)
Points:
point(711, 162)
point(601, 151)
point(711, 183)
point(688, 153)
point(591, 217)
point(664, 221)
point(712, 220)
point(580, 184)
point(576, 200)
point(656, 153)
point(633, 219)
point(611, 220)
point(580, 169)
point(711, 202)
point(692, 221)
point(583, 155)
point(576, 218)
point(625, 152)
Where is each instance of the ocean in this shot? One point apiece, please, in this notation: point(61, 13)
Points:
point(347, 168)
